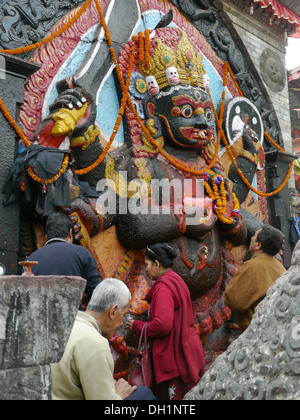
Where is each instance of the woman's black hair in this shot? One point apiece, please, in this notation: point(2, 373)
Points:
point(163, 253)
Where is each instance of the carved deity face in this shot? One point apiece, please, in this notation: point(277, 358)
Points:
point(186, 117)
point(273, 69)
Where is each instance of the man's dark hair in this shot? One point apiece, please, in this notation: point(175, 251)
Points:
point(58, 226)
point(271, 240)
point(163, 253)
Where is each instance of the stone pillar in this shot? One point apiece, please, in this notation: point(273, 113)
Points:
point(277, 167)
point(13, 73)
point(36, 318)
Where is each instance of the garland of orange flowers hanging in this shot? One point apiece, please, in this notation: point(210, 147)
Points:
point(144, 54)
point(36, 178)
point(13, 123)
point(51, 37)
point(144, 47)
point(118, 122)
point(141, 47)
point(219, 198)
point(147, 48)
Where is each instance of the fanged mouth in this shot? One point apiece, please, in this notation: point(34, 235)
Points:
point(202, 134)
point(196, 134)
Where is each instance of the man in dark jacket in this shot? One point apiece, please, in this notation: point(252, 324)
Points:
point(60, 257)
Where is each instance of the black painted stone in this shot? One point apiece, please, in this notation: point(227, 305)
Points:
point(12, 95)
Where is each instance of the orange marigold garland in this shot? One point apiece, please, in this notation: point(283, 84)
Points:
point(51, 37)
point(13, 123)
point(36, 178)
point(147, 48)
point(141, 47)
point(143, 54)
point(239, 171)
point(219, 198)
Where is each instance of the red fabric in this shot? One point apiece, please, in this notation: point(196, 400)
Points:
point(280, 11)
point(177, 349)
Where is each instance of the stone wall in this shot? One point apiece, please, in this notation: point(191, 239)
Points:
point(264, 362)
point(13, 75)
point(36, 318)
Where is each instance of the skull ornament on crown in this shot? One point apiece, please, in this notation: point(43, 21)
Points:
point(152, 85)
point(172, 76)
point(168, 67)
point(206, 82)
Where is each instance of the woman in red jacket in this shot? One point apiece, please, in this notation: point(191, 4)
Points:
point(178, 355)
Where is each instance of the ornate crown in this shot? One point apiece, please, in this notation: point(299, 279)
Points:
point(188, 65)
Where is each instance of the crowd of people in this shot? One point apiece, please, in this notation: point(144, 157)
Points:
point(87, 368)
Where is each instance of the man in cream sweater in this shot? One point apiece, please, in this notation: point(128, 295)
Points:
point(86, 369)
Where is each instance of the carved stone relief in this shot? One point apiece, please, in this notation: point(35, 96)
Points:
point(272, 70)
point(24, 22)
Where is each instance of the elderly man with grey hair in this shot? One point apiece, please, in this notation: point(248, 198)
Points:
point(86, 369)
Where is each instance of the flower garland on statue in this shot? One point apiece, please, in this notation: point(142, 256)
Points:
point(147, 48)
point(144, 53)
point(51, 37)
point(13, 124)
point(141, 47)
point(118, 122)
point(36, 178)
point(219, 198)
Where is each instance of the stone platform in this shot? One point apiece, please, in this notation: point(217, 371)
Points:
point(36, 318)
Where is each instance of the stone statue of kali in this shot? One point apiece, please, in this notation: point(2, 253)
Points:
point(178, 113)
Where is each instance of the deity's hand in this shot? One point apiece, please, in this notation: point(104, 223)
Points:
point(199, 217)
point(87, 218)
point(71, 114)
point(213, 14)
point(249, 139)
point(197, 231)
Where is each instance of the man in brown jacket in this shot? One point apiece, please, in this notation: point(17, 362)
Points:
point(250, 284)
